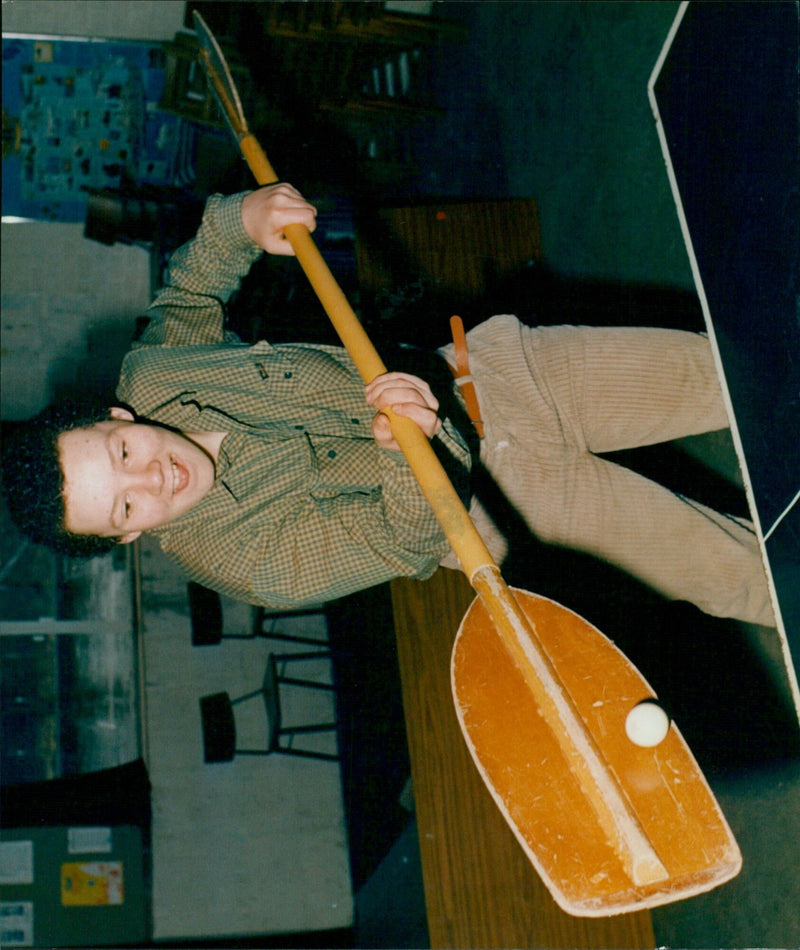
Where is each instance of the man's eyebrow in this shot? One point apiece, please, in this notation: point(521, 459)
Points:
point(110, 449)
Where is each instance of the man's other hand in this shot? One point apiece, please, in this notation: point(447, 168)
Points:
point(405, 395)
point(266, 212)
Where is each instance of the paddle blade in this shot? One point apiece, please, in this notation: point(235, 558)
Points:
point(527, 773)
point(220, 78)
point(227, 95)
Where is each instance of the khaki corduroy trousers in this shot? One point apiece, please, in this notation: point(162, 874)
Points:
point(553, 397)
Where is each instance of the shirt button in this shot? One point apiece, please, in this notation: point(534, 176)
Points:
point(287, 375)
point(332, 454)
point(355, 421)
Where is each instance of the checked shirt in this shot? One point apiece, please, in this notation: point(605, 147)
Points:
point(305, 507)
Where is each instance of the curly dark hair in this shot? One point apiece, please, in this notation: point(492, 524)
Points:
point(33, 480)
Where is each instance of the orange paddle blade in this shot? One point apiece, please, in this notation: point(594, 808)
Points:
point(525, 768)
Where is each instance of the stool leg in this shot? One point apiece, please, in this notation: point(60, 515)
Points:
point(241, 699)
point(262, 616)
point(307, 753)
point(281, 659)
point(277, 663)
point(311, 684)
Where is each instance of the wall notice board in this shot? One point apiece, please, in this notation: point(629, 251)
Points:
point(82, 114)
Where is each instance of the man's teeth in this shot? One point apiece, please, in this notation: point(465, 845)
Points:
point(174, 476)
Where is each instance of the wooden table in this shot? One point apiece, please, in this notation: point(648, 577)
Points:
point(480, 888)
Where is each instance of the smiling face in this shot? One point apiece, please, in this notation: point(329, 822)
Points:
point(122, 477)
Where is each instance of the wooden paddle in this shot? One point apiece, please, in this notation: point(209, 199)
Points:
point(609, 826)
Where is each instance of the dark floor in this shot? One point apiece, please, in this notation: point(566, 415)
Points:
point(375, 765)
point(384, 852)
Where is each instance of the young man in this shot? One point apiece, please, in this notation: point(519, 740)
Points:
point(270, 473)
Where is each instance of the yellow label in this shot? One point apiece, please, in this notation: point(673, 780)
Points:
point(91, 884)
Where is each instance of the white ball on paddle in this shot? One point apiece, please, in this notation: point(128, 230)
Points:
point(647, 724)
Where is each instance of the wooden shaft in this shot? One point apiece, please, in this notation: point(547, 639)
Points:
point(332, 298)
point(256, 159)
